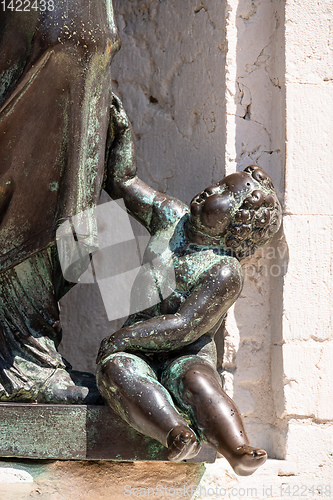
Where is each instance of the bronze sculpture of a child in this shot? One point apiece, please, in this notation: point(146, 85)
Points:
point(158, 372)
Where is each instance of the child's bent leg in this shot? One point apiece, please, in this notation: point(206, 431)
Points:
point(131, 389)
point(196, 387)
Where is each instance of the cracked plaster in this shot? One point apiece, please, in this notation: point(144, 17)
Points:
point(254, 107)
point(196, 105)
point(195, 100)
point(179, 62)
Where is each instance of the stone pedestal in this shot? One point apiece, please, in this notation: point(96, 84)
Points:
point(77, 432)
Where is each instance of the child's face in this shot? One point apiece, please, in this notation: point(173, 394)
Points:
point(212, 209)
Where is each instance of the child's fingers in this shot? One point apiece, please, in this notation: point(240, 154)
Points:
point(116, 102)
point(118, 114)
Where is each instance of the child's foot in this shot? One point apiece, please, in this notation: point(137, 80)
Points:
point(246, 460)
point(182, 443)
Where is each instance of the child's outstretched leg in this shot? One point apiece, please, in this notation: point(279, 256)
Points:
point(131, 389)
point(196, 387)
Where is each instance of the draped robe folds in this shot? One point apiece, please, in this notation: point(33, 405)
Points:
point(55, 91)
point(55, 95)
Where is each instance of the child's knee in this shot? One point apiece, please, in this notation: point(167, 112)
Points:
point(122, 367)
point(188, 377)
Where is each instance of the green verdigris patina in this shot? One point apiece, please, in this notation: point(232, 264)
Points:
point(158, 372)
point(55, 94)
point(75, 432)
point(65, 136)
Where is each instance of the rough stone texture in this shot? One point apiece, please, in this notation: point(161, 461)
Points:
point(307, 107)
point(170, 76)
point(309, 44)
point(255, 134)
point(255, 96)
point(305, 361)
point(278, 479)
point(275, 73)
point(93, 480)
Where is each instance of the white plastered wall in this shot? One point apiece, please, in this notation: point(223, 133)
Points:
point(211, 87)
point(307, 350)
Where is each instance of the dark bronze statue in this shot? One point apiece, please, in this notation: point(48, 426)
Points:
point(159, 371)
point(58, 117)
point(55, 94)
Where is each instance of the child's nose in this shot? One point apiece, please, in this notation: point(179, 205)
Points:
point(212, 190)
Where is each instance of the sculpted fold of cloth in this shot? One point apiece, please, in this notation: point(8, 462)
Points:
point(55, 94)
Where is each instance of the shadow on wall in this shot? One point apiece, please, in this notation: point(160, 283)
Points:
point(260, 139)
point(89, 311)
point(170, 75)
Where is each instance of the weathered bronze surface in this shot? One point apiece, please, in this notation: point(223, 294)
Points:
point(76, 432)
point(159, 371)
point(64, 136)
point(55, 94)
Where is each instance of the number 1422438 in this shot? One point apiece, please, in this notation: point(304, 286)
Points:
point(27, 5)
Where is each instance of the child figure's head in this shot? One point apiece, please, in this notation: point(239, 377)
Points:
point(241, 212)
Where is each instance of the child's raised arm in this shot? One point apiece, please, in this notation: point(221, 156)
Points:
point(143, 202)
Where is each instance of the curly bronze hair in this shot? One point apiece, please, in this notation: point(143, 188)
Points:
point(256, 218)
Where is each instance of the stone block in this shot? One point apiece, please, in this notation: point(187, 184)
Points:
point(309, 180)
point(76, 432)
point(61, 480)
point(309, 444)
point(309, 41)
point(308, 285)
point(324, 408)
point(308, 379)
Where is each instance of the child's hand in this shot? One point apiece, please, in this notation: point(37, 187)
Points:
point(121, 163)
point(119, 120)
